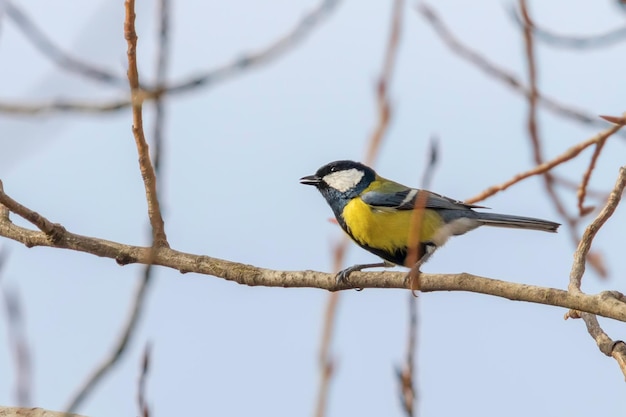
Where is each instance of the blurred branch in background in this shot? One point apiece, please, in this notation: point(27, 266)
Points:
point(162, 64)
point(506, 77)
point(210, 78)
point(382, 85)
point(327, 364)
point(3, 8)
point(574, 186)
point(45, 45)
point(144, 410)
point(16, 339)
point(120, 346)
point(406, 374)
point(251, 60)
point(533, 129)
point(545, 35)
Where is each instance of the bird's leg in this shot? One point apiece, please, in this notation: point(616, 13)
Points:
point(414, 273)
point(342, 276)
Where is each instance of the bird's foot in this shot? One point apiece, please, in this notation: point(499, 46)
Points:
point(342, 276)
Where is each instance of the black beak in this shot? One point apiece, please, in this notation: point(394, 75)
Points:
point(311, 180)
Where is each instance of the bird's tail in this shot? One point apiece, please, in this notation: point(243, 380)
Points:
point(516, 222)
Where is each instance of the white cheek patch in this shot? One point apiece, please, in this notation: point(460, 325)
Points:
point(344, 180)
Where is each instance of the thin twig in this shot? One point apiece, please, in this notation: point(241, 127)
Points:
point(606, 39)
point(582, 189)
point(615, 120)
point(581, 254)
point(144, 410)
point(62, 59)
point(145, 163)
point(569, 154)
point(501, 74)
point(162, 62)
point(53, 231)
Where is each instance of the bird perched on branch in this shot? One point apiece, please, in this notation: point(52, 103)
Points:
point(378, 214)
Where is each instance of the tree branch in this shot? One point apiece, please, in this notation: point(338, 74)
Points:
point(604, 304)
point(615, 349)
point(32, 412)
point(145, 164)
point(580, 256)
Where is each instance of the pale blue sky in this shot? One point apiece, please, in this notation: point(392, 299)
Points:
point(234, 156)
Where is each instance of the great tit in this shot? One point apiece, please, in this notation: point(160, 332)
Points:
point(377, 214)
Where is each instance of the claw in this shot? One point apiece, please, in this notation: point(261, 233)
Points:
point(342, 276)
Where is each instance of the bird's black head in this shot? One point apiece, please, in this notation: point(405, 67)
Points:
point(341, 181)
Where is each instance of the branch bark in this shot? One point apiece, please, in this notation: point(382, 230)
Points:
point(604, 304)
point(33, 412)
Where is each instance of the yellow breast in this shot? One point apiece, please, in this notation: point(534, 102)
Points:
point(386, 230)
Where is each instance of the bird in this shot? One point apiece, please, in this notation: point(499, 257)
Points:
point(377, 214)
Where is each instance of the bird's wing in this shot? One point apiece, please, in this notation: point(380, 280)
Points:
point(394, 196)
